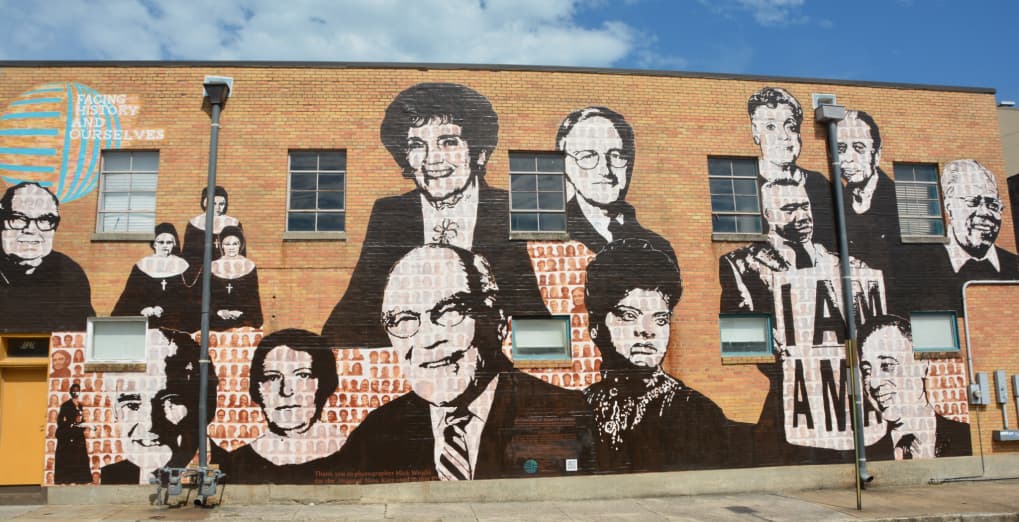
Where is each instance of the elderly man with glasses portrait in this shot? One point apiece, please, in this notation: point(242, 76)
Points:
point(41, 290)
point(600, 150)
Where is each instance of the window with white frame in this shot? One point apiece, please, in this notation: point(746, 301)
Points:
point(919, 200)
point(934, 331)
point(735, 198)
point(115, 339)
point(316, 201)
point(745, 335)
point(542, 339)
point(537, 194)
point(127, 191)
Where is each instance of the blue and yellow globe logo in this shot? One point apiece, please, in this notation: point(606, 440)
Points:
point(54, 135)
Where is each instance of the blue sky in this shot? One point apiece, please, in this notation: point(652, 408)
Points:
point(914, 41)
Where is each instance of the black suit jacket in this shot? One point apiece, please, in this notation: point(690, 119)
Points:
point(927, 281)
point(529, 419)
point(581, 230)
point(55, 297)
point(394, 229)
point(951, 439)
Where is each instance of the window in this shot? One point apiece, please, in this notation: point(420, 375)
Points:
point(934, 331)
point(542, 339)
point(537, 197)
point(27, 346)
point(115, 339)
point(919, 199)
point(316, 201)
point(745, 335)
point(127, 191)
point(735, 202)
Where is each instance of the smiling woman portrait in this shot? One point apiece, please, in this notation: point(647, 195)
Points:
point(293, 373)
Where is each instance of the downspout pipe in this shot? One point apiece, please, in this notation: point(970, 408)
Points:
point(217, 94)
point(832, 115)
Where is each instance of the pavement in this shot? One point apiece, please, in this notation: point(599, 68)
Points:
point(957, 501)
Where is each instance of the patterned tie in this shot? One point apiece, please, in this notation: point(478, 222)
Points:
point(455, 463)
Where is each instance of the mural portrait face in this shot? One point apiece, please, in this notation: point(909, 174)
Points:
point(288, 390)
point(29, 225)
point(892, 379)
point(164, 244)
point(787, 209)
point(973, 206)
point(141, 403)
point(231, 246)
point(429, 323)
point(219, 205)
point(639, 327)
point(859, 154)
point(777, 132)
point(440, 159)
point(596, 163)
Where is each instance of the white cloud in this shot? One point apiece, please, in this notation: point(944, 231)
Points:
point(545, 32)
point(764, 12)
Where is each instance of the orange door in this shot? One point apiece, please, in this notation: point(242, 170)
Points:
point(22, 425)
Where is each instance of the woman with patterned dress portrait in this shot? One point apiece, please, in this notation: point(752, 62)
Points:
point(157, 287)
point(647, 420)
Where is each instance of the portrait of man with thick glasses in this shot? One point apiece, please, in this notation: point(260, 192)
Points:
point(599, 149)
point(468, 406)
point(41, 290)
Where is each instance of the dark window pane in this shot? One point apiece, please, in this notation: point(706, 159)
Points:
point(524, 201)
point(721, 186)
point(303, 160)
point(522, 222)
point(747, 187)
point(550, 163)
point(522, 162)
point(302, 200)
point(550, 200)
point(723, 223)
point(746, 203)
point(937, 227)
point(749, 224)
point(744, 168)
point(330, 181)
point(332, 161)
point(722, 204)
point(300, 222)
point(904, 173)
point(719, 167)
point(523, 182)
point(550, 182)
point(302, 181)
point(553, 222)
point(28, 346)
point(932, 192)
point(331, 221)
point(330, 200)
point(934, 208)
point(925, 173)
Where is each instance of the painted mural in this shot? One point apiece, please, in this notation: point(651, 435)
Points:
point(412, 377)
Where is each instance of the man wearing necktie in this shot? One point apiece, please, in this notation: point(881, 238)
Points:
point(470, 414)
point(974, 211)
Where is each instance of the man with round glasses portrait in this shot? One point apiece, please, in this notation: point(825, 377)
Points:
point(470, 414)
point(41, 290)
point(974, 211)
point(599, 148)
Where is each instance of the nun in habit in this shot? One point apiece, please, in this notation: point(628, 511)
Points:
point(235, 300)
point(194, 234)
point(156, 287)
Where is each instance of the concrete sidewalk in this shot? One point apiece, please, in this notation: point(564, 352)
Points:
point(990, 500)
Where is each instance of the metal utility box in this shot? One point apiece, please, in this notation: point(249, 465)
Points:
point(979, 391)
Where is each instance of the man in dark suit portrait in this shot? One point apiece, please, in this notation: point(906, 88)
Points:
point(600, 149)
point(442, 136)
point(469, 414)
point(974, 221)
point(41, 290)
point(894, 386)
point(776, 118)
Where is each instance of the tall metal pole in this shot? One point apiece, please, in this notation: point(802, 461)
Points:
point(217, 96)
point(832, 114)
